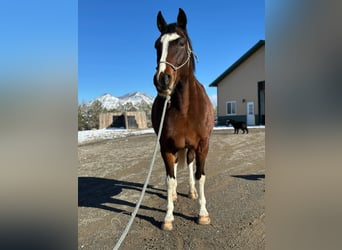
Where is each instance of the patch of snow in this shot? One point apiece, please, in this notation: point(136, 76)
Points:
point(105, 134)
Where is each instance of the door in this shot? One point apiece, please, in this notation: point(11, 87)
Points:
point(261, 102)
point(132, 123)
point(250, 113)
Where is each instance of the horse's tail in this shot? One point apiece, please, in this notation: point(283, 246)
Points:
point(182, 158)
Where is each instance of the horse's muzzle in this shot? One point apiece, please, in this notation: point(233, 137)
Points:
point(163, 83)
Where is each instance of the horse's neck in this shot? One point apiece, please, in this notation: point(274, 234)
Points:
point(182, 95)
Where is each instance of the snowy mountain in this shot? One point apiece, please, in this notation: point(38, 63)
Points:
point(136, 98)
point(108, 101)
point(130, 101)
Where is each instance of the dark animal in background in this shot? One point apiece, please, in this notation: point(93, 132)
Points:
point(238, 125)
point(189, 118)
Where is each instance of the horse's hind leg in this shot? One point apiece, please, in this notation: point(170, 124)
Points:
point(174, 191)
point(192, 189)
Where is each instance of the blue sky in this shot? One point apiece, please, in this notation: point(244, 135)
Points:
point(116, 52)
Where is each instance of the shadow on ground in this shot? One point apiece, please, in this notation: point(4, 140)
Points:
point(102, 193)
point(250, 177)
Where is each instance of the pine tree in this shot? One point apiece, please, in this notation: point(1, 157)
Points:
point(93, 114)
point(81, 120)
point(88, 115)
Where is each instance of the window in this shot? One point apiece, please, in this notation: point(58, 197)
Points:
point(231, 108)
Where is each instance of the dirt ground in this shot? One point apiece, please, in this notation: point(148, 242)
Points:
point(112, 174)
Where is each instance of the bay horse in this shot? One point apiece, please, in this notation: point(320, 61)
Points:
point(189, 118)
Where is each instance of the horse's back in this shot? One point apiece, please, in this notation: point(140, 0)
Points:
point(205, 111)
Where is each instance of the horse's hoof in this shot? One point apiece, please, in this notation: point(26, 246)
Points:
point(167, 226)
point(203, 220)
point(193, 195)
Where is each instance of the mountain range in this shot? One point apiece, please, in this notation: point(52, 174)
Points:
point(130, 101)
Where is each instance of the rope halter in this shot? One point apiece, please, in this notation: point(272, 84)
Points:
point(175, 68)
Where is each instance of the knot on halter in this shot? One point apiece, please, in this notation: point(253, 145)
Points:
point(175, 68)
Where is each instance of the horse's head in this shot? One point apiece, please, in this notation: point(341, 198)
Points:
point(174, 54)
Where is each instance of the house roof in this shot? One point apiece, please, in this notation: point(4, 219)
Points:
point(243, 58)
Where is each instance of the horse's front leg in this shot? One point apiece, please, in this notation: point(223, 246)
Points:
point(171, 185)
point(203, 217)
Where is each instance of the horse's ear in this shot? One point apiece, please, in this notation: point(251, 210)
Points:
point(181, 19)
point(161, 23)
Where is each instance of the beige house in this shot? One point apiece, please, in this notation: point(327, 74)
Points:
point(241, 88)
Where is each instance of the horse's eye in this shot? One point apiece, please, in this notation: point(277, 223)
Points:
point(181, 42)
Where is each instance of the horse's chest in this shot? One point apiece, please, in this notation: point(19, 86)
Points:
point(180, 140)
point(181, 135)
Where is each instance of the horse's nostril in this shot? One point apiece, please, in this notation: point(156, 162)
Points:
point(164, 80)
point(167, 79)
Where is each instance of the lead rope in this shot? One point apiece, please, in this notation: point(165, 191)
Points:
point(123, 236)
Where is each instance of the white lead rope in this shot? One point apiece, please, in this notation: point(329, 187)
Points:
point(123, 236)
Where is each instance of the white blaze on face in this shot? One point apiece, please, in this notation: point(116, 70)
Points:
point(165, 40)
